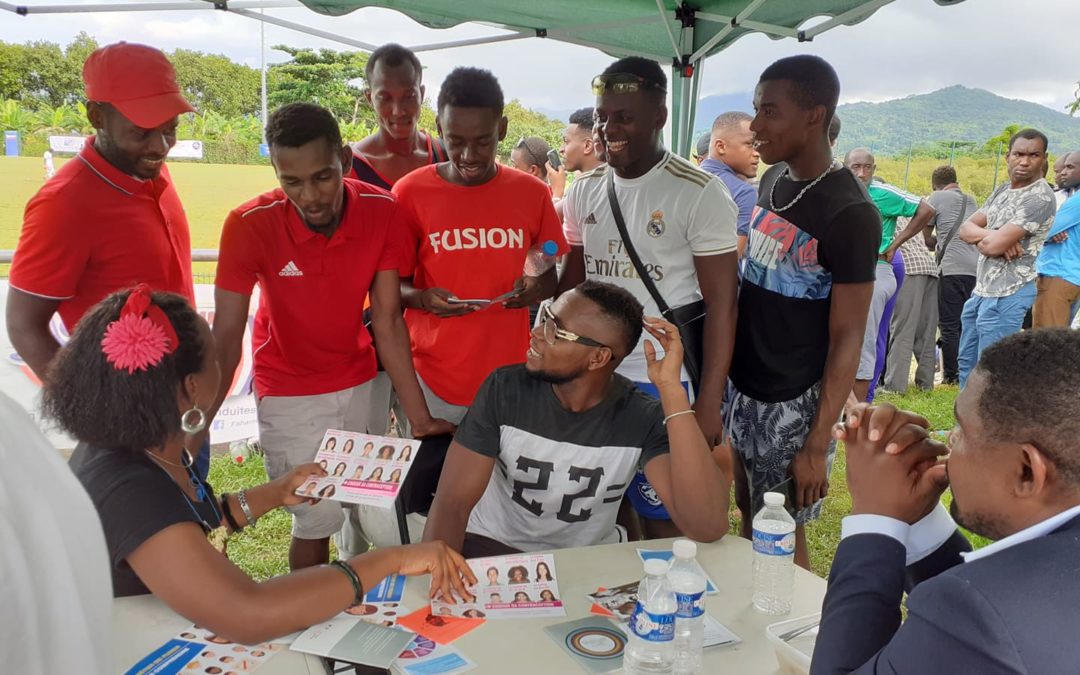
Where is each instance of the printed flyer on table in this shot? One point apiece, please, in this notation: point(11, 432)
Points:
point(197, 650)
point(513, 586)
point(363, 469)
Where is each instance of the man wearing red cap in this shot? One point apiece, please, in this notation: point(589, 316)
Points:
point(110, 218)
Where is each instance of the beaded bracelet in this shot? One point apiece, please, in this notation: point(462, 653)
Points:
point(354, 579)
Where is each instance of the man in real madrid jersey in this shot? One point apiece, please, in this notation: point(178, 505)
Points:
point(680, 220)
point(546, 451)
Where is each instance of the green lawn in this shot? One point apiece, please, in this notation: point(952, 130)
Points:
point(208, 191)
point(262, 551)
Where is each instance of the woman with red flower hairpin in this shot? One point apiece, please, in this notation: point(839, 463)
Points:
point(131, 385)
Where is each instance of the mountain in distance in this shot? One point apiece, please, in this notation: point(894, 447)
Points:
point(557, 114)
point(710, 107)
point(955, 113)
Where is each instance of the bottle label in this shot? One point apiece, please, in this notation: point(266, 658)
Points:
point(691, 605)
point(652, 627)
point(774, 544)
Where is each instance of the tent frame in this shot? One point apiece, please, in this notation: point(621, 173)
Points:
point(680, 23)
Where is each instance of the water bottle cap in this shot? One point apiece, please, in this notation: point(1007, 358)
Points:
point(550, 247)
point(774, 499)
point(684, 548)
point(656, 567)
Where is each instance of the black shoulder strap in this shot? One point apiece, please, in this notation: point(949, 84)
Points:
point(616, 213)
point(940, 255)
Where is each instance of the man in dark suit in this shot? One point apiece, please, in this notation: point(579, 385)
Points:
point(1014, 470)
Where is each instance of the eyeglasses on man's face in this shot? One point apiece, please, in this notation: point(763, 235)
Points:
point(552, 331)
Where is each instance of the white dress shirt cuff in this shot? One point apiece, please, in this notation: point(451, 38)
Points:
point(869, 523)
point(927, 535)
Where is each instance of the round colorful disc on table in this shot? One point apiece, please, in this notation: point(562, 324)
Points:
point(595, 642)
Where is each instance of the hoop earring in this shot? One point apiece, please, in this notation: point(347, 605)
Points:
point(193, 421)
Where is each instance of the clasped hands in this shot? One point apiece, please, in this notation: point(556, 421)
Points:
point(894, 468)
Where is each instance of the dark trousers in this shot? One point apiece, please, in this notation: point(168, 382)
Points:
point(953, 292)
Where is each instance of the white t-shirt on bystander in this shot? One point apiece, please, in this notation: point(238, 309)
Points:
point(55, 587)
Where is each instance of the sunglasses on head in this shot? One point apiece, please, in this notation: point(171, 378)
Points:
point(539, 161)
point(623, 83)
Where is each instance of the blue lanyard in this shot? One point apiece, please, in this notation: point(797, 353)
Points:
point(200, 492)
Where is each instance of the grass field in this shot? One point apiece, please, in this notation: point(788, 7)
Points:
point(208, 192)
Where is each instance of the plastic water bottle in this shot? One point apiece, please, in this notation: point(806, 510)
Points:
point(239, 451)
point(774, 556)
point(540, 260)
point(689, 586)
point(651, 648)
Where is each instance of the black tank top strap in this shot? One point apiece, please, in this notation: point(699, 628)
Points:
point(367, 173)
point(364, 171)
point(438, 151)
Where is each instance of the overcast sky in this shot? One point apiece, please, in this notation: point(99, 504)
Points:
point(1020, 50)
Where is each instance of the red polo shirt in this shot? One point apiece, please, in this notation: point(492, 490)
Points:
point(309, 336)
point(92, 230)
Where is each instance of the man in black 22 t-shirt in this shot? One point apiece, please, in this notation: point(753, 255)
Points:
point(806, 289)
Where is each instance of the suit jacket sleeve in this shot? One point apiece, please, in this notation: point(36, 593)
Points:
point(951, 627)
point(946, 556)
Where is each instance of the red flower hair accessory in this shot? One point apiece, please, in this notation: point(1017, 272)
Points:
point(141, 336)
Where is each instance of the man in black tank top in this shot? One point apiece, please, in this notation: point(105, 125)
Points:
point(394, 89)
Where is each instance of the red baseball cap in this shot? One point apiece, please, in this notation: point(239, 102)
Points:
point(137, 80)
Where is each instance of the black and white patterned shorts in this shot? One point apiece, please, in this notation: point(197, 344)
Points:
point(767, 436)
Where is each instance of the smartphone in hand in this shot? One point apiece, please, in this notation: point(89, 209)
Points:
point(554, 159)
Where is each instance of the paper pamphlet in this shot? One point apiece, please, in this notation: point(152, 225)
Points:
point(198, 650)
point(353, 641)
point(512, 586)
point(424, 656)
point(363, 469)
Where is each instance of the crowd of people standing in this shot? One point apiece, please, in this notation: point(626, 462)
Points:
point(702, 328)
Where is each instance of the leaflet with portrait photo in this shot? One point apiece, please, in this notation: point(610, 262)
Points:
point(511, 586)
point(361, 468)
point(197, 650)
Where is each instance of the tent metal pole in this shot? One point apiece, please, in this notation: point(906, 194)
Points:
point(667, 26)
point(770, 29)
point(723, 33)
point(767, 28)
point(262, 74)
point(472, 41)
point(686, 36)
point(691, 109)
point(860, 12)
point(144, 7)
point(292, 25)
point(561, 37)
point(685, 133)
point(674, 122)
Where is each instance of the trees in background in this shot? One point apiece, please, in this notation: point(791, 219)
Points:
point(41, 94)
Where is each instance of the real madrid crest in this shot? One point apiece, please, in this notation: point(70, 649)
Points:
point(656, 225)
